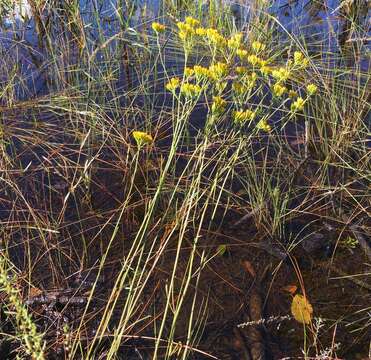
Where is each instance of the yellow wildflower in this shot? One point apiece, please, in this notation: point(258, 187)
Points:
point(142, 138)
point(218, 71)
point(220, 86)
point(265, 70)
point(257, 46)
point(282, 74)
point(243, 54)
point(298, 104)
point(300, 59)
point(192, 21)
point(182, 35)
point(201, 31)
point(188, 71)
point(253, 60)
point(219, 105)
point(263, 62)
point(311, 89)
point(234, 42)
point(173, 84)
point(190, 90)
point(238, 88)
point(202, 72)
point(251, 80)
point(215, 38)
point(279, 90)
point(185, 30)
point(263, 125)
point(243, 116)
point(158, 28)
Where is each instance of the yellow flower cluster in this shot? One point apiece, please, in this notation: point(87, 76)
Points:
point(215, 38)
point(253, 60)
point(201, 32)
point(298, 104)
point(265, 69)
point(214, 72)
point(238, 88)
point(247, 84)
point(142, 138)
point(187, 28)
point(158, 28)
point(188, 72)
point(202, 72)
point(282, 74)
point(172, 85)
point(300, 60)
point(218, 106)
point(279, 90)
point(257, 46)
point(189, 20)
point(263, 125)
point(242, 54)
point(190, 90)
point(218, 71)
point(311, 89)
point(235, 41)
point(241, 116)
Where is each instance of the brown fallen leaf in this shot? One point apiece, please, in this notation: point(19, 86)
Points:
point(290, 289)
point(249, 268)
point(34, 291)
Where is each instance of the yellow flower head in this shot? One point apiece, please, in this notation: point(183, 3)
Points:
point(263, 62)
point(189, 20)
point(300, 59)
point(188, 71)
point(173, 84)
point(257, 46)
point(158, 28)
point(202, 72)
point(243, 54)
point(279, 90)
point(219, 105)
point(282, 74)
point(142, 138)
point(234, 42)
point(298, 104)
point(265, 70)
point(263, 125)
point(190, 90)
point(251, 81)
point(238, 88)
point(253, 60)
point(201, 31)
point(241, 116)
point(218, 71)
point(311, 89)
point(215, 38)
point(185, 30)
